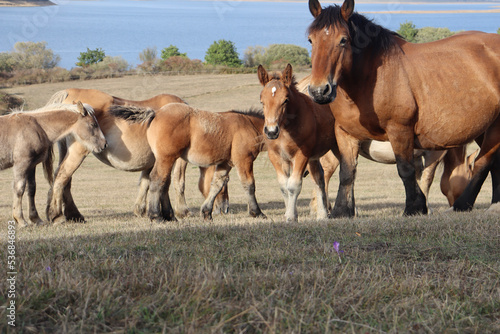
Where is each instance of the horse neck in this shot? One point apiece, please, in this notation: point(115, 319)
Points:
point(295, 110)
point(56, 124)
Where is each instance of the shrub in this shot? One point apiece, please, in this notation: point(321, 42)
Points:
point(180, 64)
point(7, 62)
point(430, 34)
point(281, 54)
point(222, 52)
point(254, 55)
point(90, 57)
point(28, 55)
point(149, 58)
point(171, 51)
point(498, 31)
point(408, 31)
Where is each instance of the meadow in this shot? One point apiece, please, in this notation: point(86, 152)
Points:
point(119, 273)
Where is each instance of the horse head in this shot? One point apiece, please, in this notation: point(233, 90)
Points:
point(274, 98)
point(87, 130)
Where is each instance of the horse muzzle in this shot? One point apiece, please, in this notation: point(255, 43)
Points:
point(323, 94)
point(272, 132)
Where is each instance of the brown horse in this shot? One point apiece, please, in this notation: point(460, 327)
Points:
point(298, 133)
point(27, 139)
point(127, 150)
point(431, 96)
point(204, 139)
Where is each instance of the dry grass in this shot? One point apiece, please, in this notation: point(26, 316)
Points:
point(118, 273)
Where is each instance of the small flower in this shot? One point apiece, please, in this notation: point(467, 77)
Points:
point(48, 269)
point(336, 247)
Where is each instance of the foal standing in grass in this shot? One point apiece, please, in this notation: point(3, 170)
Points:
point(27, 139)
point(298, 133)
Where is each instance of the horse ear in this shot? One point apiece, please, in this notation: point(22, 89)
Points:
point(262, 74)
point(81, 108)
point(347, 9)
point(287, 75)
point(314, 7)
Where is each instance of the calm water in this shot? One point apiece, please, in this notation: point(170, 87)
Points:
point(127, 27)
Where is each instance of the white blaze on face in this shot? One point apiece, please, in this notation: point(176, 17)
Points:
point(273, 90)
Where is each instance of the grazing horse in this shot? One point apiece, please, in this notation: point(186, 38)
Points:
point(298, 133)
point(27, 139)
point(204, 139)
point(431, 96)
point(127, 150)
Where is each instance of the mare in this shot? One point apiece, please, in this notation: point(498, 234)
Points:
point(431, 96)
point(203, 138)
point(298, 132)
point(127, 150)
point(27, 139)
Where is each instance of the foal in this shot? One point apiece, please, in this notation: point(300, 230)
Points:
point(27, 139)
point(225, 140)
point(298, 133)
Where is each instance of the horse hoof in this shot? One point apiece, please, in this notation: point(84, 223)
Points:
point(140, 211)
point(206, 215)
point(183, 213)
point(59, 220)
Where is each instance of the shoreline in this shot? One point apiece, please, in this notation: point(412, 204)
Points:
point(25, 3)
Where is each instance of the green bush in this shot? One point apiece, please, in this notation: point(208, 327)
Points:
point(282, 54)
point(498, 31)
point(408, 31)
point(430, 34)
point(171, 51)
point(7, 62)
point(223, 52)
point(90, 57)
point(422, 35)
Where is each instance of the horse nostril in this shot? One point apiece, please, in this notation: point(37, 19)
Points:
point(327, 90)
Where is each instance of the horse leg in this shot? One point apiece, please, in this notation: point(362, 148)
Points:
point(33, 213)
point(71, 162)
point(221, 203)
point(140, 202)
point(318, 176)
point(282, 174)
point(329, 163)
point(179, 180)
point(294, 186)
point(71, 212)
point(348, 149)
point(431, 161)
point(245, 173)
point(160, 207)
point(19, 185)
point(486, 161)
point(220, 179)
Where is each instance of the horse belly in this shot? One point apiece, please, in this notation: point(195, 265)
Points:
point(128, 148)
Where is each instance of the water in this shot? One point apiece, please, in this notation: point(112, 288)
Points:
point(125, 28)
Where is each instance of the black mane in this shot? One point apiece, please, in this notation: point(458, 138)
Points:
point(254, 112)
point(363, 32)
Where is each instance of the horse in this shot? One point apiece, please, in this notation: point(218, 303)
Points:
point(202, 138)
point(27, 139)
point(297, 134)
point(127, 149)
point(430, 96)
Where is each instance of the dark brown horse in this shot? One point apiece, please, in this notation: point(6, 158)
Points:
point(431, 96)
point(298, 133)
point(127, 149)
point(225, 140)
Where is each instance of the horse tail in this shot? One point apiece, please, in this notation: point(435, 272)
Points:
point(58, 97)
point(48, 166)
point(133, 114)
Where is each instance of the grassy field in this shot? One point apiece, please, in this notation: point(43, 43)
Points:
point(122, 274)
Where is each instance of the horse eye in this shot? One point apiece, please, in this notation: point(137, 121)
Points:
point(310, 42)
point(343, 41)
point(285, 102)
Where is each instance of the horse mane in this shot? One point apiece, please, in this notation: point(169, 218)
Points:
point(55, 107)
point(254, 112)
point(132, 114)
point(362, 31)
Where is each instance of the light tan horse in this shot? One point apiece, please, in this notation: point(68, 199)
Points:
point(298, 134)
point(431, 96)
point(127, 150)
point(27, 139)
point(204, 139)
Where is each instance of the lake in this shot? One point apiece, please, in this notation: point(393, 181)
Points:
point(125, 28)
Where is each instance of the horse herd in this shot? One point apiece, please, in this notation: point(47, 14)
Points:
point(369, 92)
